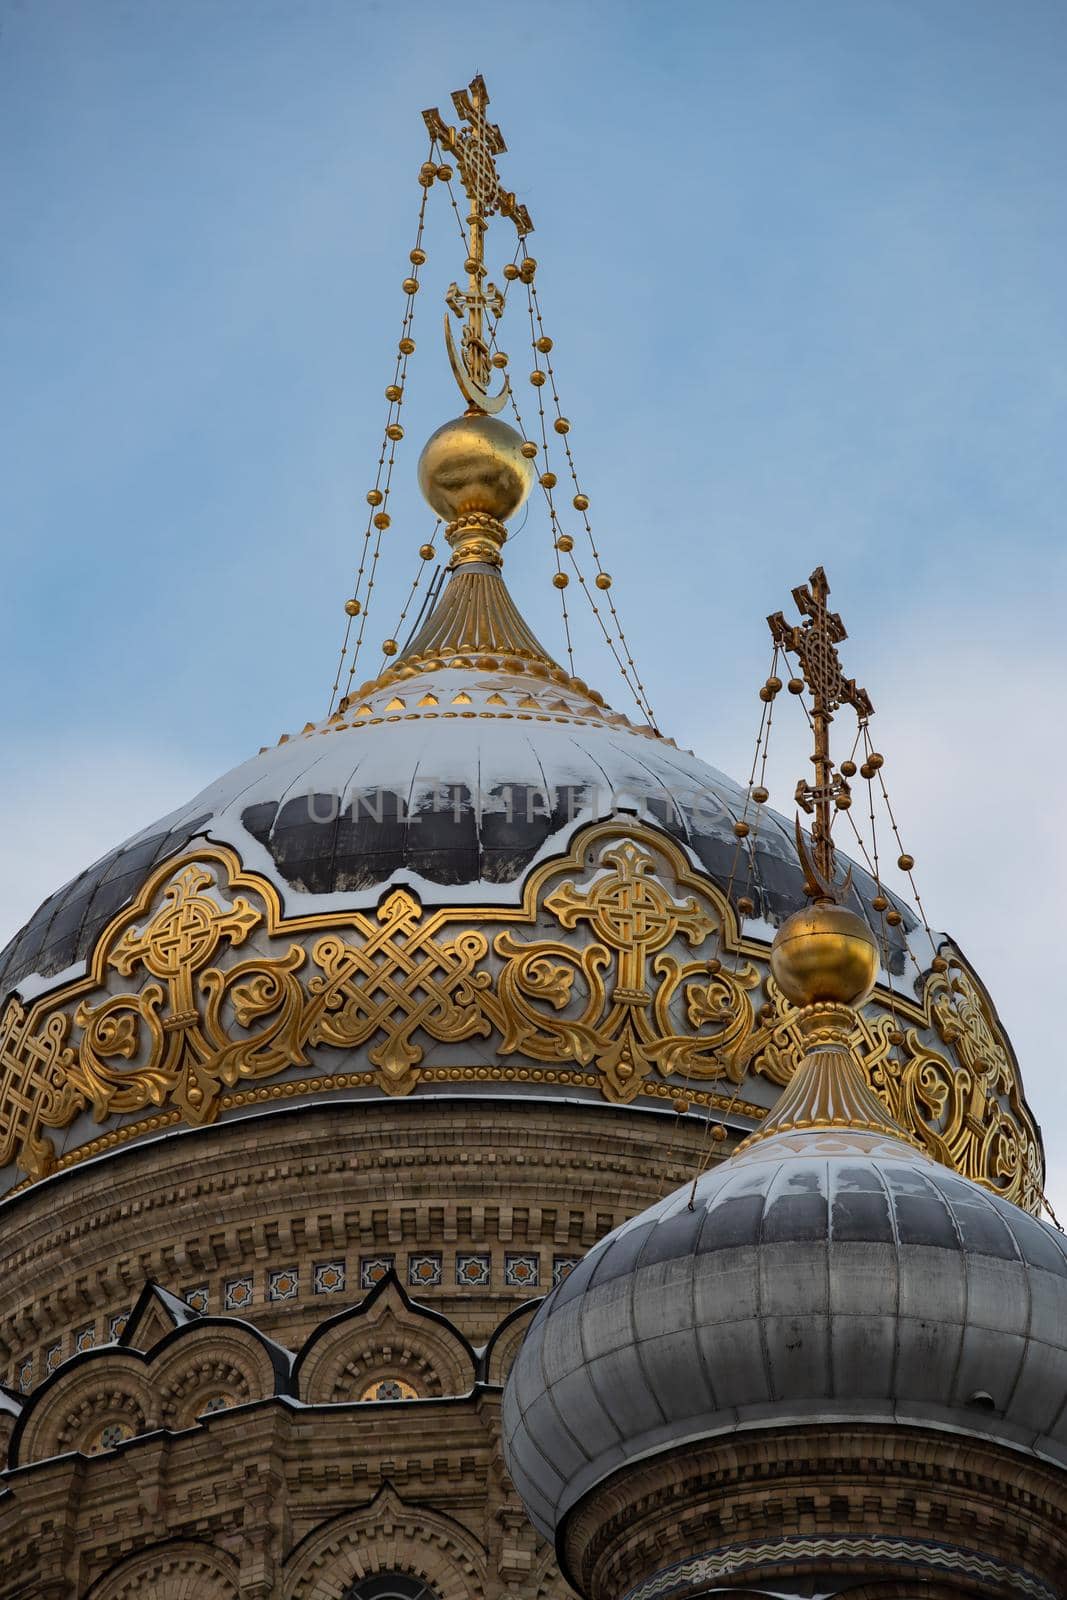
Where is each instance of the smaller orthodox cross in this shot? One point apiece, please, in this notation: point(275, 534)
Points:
point(814, 641)
point(474, 148)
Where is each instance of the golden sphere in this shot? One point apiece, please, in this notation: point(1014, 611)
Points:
point(529, 449)
point(417, 256)
point(394, 392)
point(444, 172)
point(544, 344)
point(410, 285)
point(389, 647)
point(475, 464)
point(581, 502)
point(511, 272)
point(848, 769)
point(565, 543)
point(562, 425)
point(374, 497)
point(353, 608)
point(561, 580)
point(603, 580)
point(905, 862)
point(760, 795)
point(499, 358)
point(407, 346)
point(537, 378)
point(394, 431)
point(427, 552)
point(824, 954)
point(548, 480)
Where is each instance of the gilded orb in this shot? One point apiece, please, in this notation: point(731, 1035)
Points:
point(475, 464)
point(824, 954)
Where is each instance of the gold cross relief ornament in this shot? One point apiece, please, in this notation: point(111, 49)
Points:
point(814, 642)
point(474, 148)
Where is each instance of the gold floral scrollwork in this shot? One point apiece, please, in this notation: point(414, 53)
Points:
point(619, 959)
point(175, 1046)
point(967, 1100)
point(622, 999)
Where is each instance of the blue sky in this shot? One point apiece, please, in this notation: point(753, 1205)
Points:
point(803, 264)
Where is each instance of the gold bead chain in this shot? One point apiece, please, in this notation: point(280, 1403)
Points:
point(427, 552)
point(378, 519)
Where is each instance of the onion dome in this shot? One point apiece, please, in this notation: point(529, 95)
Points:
point(827, 1283)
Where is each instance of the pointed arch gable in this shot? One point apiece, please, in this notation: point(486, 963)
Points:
point(388, 1535)
point(387, 1333)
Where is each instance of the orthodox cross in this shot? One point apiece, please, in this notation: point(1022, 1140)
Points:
point(181, 936)
point(474, 148)
point(633, 914)
point(814, 641)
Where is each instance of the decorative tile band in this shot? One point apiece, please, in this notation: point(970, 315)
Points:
point(372, 1269)
point(330, 1277)
point(284, 1284)
point(473, 1271)
point(238, 1294)
point(521, 1272)
point(424, 1272)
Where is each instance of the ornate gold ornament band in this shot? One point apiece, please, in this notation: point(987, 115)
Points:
point(603, 975)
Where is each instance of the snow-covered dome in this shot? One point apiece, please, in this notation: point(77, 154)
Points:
point(452, 773)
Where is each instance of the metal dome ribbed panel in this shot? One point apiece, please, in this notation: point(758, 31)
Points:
point(803, 1285)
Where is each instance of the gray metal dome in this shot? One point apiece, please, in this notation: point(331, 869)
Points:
point(818, 1276)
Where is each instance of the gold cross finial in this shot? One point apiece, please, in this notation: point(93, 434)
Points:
point(814, 641)
point(474, 148)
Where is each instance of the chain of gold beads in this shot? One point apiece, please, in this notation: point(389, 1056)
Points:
point(514, 272)
point(427, 552)
point(543, 373)
point(562, 543)
point(746, 835)
point(378, 519)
